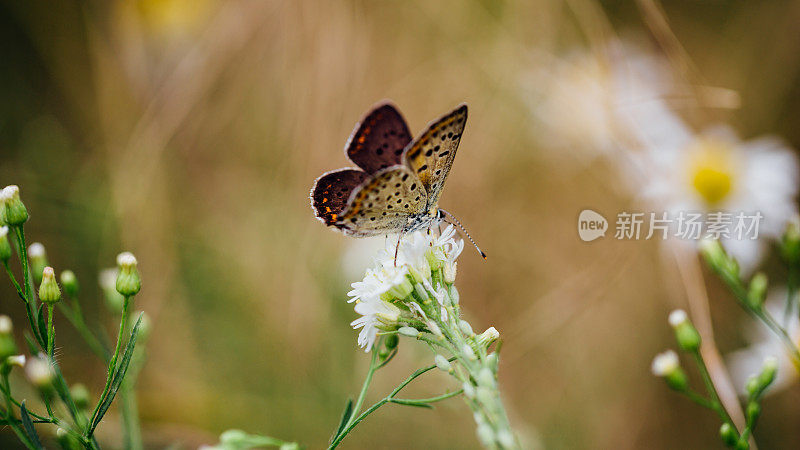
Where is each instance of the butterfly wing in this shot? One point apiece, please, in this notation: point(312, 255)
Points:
point(378, 141)
point(332, 191)
point(384, 203)
point(431, 155)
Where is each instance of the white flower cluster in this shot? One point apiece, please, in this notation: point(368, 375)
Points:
point(395, 292)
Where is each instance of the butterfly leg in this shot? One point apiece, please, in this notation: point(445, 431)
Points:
point(397, 248)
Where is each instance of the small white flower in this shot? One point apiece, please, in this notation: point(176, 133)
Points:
point(665, 363)
point(677, 317)
point(3, 231)
point(39, 371)
point(36, 250)
point(377, 281)
point(390, 280)
point(374, 314)
point(5, 325)
point(9, 193)
point(126, 259)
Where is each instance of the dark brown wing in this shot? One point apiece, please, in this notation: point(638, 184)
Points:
point(378, 141)
point(331, 192)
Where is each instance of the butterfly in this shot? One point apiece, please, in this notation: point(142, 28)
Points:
point(398, 181)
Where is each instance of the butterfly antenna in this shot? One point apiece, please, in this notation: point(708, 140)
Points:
point(466, 233)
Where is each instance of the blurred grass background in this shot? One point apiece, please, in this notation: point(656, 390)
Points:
point(190, 132)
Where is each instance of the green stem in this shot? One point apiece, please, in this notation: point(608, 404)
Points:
point(716, 403)
point(425, 401)
point(10, 417)
point(51, 331)
point(352, 423)
point(367, 381)
point(112, 364)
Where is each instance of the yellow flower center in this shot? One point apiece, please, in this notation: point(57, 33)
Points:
point(711, 170)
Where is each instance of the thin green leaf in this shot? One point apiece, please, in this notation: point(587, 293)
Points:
point(348, 412)
point(29, 429)
point(117, 377)
point(33, 347)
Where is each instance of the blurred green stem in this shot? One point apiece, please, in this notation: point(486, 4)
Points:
point(112, 364)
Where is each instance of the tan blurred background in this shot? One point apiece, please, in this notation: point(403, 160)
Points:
point(190, 132)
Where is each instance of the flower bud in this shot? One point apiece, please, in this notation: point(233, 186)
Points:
point(768, 372)
point(790, 242)
point(757, 291)
point(666, 365)
point(752, 386)
point(492, 361)
point(408, 331)
point(40, 372)
point(66, 440)
point(434, 329)
point(7, 345)
point(468, 353)
point(486, 378)
point(753, 412)
point(391, 341)
point(465, 328)
point(449, 272)
point(685, 333)
point(485, 339)
point(70, 283)
point(80, 395)
point(13, 211)
point(128, 281)
point(486, 435)
point(469, 390)
point(17, 360)
point(402, 289)
point(505, 438)
point(38, 257)
point(48, 291)
point(728, 434)
point(454, 296)
point(716, 257)
point(442, 363)
point(5, 247)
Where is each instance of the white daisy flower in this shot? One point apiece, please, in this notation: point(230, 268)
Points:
point(748, 361)
point(592, 103)
point(715, 171)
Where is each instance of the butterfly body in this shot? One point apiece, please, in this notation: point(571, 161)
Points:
point(399, 180)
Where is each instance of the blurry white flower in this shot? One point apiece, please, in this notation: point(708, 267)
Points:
point(592, 103)
point(715, 171)
point(36, 250)
point(39, 371)
point(665, 363)
point(748, 361)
